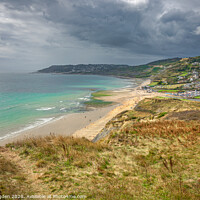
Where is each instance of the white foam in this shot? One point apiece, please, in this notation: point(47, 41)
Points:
point(45, 108)
point(39, 122)
point(129, 86)
point(84, 98)
point(74, 103)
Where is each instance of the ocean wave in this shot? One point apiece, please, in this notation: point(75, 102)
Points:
point(84, 98)
point(45, 108)
point(39, 122)
point(73, 103)
point(129, 86)
point(73, 106)
point(9, 107)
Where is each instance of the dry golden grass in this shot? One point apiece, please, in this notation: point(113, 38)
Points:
point(166, 129)
point(158, 105)
point(165, 157)
point(76, 151)
point(143, 158)
point(148, 167)
point(12, 180)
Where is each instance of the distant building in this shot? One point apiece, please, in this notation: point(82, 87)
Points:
point(189, 94)
point(165, 82)
point(147, 88)
point(181, 77)
point(195, 63)
point(196, 76)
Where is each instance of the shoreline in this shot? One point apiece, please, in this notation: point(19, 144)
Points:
point(127, 99)
point(76, 123)
point(65, 125)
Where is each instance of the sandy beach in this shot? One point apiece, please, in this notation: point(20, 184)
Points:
point(88, 124)
point(127, 99)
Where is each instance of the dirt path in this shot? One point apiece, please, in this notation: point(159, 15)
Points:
point(27, 169)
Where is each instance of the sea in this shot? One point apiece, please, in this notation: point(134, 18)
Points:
point(30, 100)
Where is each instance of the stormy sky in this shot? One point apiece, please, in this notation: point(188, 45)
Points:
point(37, 33)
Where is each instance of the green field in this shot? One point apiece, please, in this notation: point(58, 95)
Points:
point(174, 86)
point(153, 84)
point(171, 91)
point(101, 93)
point(97, 103)
point(184, 74)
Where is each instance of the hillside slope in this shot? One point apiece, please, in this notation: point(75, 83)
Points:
point(140, 71)
point(169, 75)
point(151, 153)
point(180, 76)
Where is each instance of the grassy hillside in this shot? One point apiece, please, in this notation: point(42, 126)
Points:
point(181, 75)
point(150, 152)
point(164, 62)
point(141, 71)
point(175, 74)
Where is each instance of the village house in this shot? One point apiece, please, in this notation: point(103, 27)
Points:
point(195, 63)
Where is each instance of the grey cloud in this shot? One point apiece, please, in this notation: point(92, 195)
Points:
point(155, 29)
point(174, 15)
point(141, 30)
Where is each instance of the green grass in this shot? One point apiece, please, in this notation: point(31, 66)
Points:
point(101, 94)
point(171, 91)
point(156, 69)
point(175, 86)
point(184, 74)
point(97, 103)
point(197, 97)
point(161, 97)
point(153, 84)
point(159, 105)
point(162, 114)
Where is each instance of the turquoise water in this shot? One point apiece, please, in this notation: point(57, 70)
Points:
point(28, 100)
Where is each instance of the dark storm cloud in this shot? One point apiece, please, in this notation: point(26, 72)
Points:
point(114, 29)
point(149, 28)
